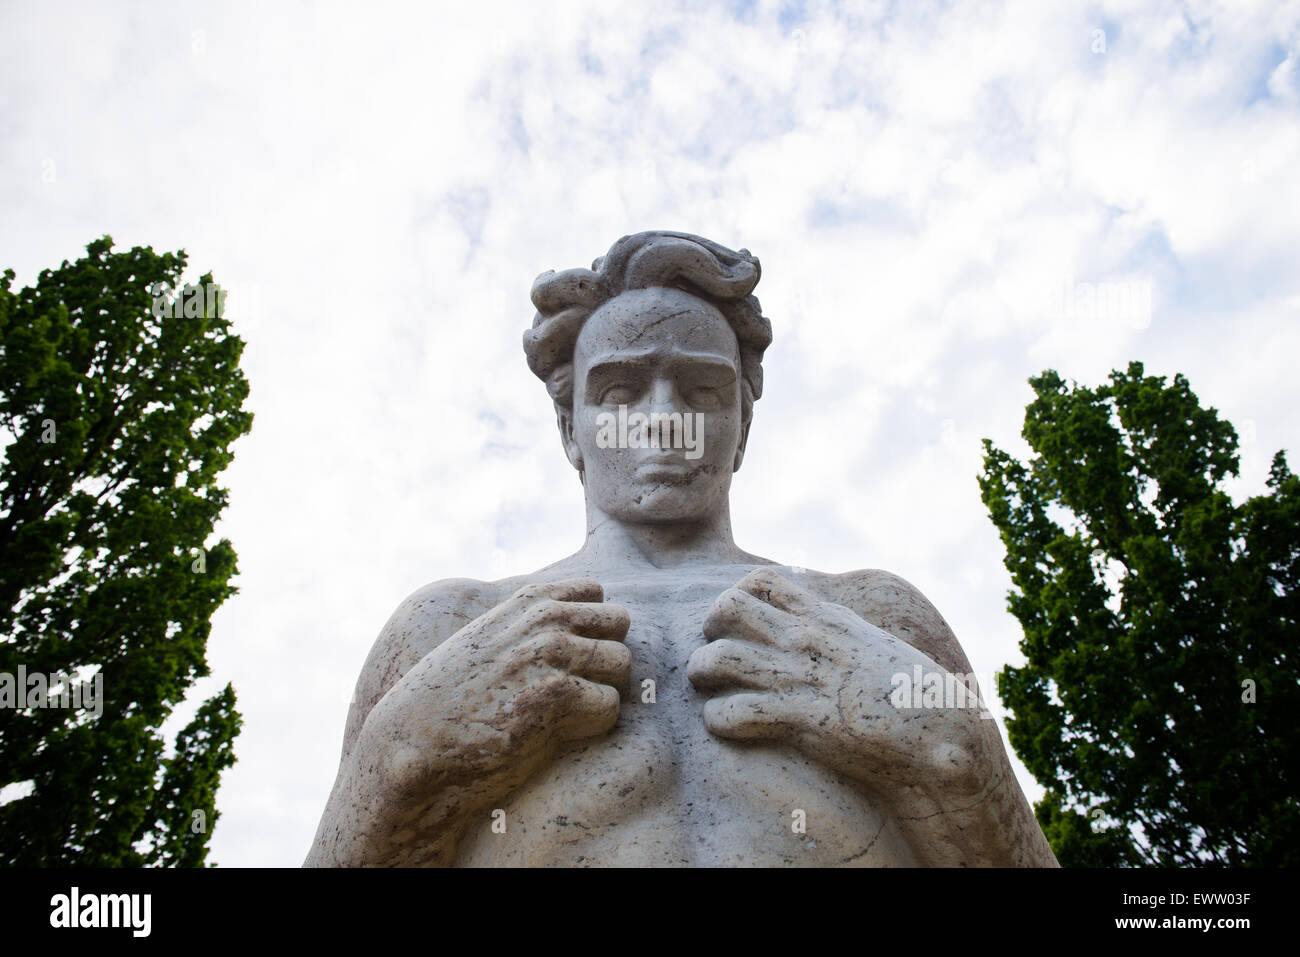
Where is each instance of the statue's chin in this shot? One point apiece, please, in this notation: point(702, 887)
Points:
point(658, 504)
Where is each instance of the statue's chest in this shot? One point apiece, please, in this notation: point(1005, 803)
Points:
point(660, 789)
point(666, 629)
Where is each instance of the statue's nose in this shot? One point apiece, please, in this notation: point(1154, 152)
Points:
point(664, 396)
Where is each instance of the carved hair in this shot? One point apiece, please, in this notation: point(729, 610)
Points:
point(714, 273)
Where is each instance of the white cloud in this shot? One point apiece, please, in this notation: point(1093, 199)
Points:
point(919, 182)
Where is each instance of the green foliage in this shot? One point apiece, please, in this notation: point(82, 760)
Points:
point(1151, 607)
point(119, 423)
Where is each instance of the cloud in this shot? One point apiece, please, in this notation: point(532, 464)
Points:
point(926, 186)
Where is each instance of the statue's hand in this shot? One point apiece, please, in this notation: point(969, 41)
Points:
point(486, 708)
point(786, 666)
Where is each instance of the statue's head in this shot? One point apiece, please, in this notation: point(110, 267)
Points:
point(653, 358)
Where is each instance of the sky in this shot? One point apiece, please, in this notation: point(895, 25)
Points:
point(946, 200)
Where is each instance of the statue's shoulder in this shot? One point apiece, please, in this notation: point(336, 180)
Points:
point(891, 602)
point(422, 621)
point(441, 608)
point(433, 613)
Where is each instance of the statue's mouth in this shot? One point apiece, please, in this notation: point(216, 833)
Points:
point(664, 469)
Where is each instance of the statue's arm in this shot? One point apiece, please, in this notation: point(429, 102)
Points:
point(467, 692)
point(812, 661)
point(420, 623)
point(994, 826)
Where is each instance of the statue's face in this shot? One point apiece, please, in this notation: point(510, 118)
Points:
point(656, 421)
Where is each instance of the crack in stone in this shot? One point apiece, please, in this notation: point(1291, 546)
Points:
point(853, 857)
point(988, 792)
point(650, 325)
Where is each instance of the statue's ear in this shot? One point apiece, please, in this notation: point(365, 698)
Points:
point(564, 419)
point(740, 446)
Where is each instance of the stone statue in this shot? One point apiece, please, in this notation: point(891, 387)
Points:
point(662, 697)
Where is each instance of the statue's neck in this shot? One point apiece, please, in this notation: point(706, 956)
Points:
point(613, 543)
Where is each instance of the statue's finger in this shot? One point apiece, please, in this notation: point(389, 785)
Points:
point(598, 660)
point(589, 619)
point(736, 664)
point(769, 587)
point(570, 589)
point(748, 716)
point(738, 614)
point(591, 708)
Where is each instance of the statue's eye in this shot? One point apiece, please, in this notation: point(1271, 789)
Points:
point(617, 394)
point(704, 397)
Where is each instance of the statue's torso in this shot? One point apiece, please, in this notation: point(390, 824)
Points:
point(659, 789)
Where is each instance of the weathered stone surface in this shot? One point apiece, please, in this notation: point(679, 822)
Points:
point(662, 697)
